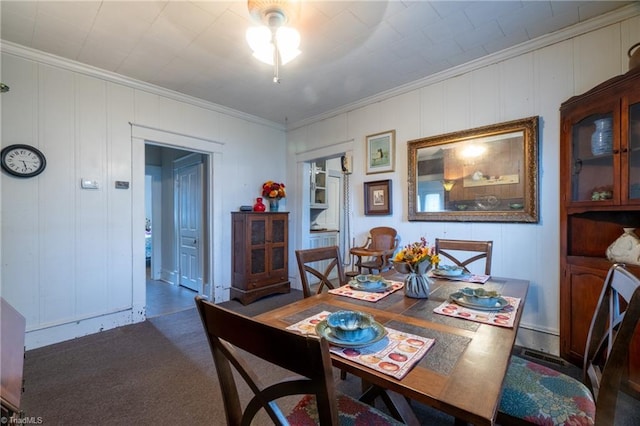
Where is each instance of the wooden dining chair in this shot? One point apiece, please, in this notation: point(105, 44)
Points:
point(535, 394)
point(476, 250)
point(381, 239)
point(307, 356)
point(311, 261)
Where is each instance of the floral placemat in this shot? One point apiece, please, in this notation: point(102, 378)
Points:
point(467, 278)
point(347, 291)
point(505, 317)
point(394, 355)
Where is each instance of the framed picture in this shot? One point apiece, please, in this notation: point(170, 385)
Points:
point(485, 174)
point(377, 198)
point(381, 152)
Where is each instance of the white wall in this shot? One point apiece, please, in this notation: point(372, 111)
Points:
point(73, 259)
point(528, 81)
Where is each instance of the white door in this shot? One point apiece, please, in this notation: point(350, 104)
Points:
point(332, 214)
point(189, 211)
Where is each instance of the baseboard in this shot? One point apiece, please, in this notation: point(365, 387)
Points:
point(78, 328)
point(539, 341)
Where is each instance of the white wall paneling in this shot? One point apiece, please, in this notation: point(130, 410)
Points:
point(514, 85)
point(73, 259)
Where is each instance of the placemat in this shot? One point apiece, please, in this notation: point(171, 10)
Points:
point(394, 355)
point(347, 291)
point(503, 318)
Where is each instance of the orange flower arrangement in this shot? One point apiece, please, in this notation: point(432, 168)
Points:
point(416, 253)
point(271, 189)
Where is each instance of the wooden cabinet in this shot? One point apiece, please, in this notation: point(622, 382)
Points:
point(319, 185)
point(260, 255)
point(599, 195)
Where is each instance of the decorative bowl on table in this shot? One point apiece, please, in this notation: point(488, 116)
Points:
point(368, 278)
point(370, 283)
point(448, 271)
point(350, 325)
point(481, 297)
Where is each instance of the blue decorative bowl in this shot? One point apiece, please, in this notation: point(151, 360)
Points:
point(448, 271)
point(480, 296)
point(369, 281)
point(350, 325)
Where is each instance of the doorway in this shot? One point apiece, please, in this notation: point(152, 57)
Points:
point(175, 208)
point(327, 213)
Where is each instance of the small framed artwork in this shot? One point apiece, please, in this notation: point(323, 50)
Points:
point(377, 198)
point(381, 149)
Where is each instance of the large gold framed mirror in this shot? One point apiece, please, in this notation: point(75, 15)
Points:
point(486, 174)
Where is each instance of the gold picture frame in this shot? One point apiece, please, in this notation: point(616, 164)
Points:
point(486, 174)
point(381, 152)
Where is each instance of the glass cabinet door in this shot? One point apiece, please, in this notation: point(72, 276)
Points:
point(319, 183)
point(592, 158)
point(634, 151)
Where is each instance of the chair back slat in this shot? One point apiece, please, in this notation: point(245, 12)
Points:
point(306, 258)
point(305, 355)
point(613, 325)
point(445, 247)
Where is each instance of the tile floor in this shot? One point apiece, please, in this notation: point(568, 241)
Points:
point(164, 298)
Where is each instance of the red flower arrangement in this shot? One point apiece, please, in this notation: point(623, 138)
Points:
point(271, 189)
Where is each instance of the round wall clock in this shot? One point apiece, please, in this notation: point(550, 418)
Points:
point(23, 160)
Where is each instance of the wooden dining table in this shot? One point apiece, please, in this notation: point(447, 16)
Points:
point(461, 374)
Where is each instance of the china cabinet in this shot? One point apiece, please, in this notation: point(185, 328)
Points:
point(599, 196)
point(260, 255)
point(319, 185)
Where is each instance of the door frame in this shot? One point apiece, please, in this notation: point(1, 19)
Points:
point(140, 135)
point(156, 217)
point(303, 160)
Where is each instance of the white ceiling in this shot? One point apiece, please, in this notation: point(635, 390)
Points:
point(350, 49)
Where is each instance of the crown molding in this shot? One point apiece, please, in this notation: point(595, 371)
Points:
point(526, 47)
point(88, 70)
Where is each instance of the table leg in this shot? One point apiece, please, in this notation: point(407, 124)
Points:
point(398, 405)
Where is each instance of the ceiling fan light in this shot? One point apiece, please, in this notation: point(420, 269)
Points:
point(258, 37)
point(288, 56)
point(264, 41)
point(264, 55)
point(288, 40)
point(259, 40)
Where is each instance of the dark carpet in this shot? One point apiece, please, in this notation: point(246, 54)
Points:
point(156, 372)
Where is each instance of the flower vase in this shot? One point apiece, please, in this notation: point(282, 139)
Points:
point(417, 283)
point(274, 204)
point(601, 140)
point(259, 205)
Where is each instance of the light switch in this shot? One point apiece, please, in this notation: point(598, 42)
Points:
point(89, 184)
